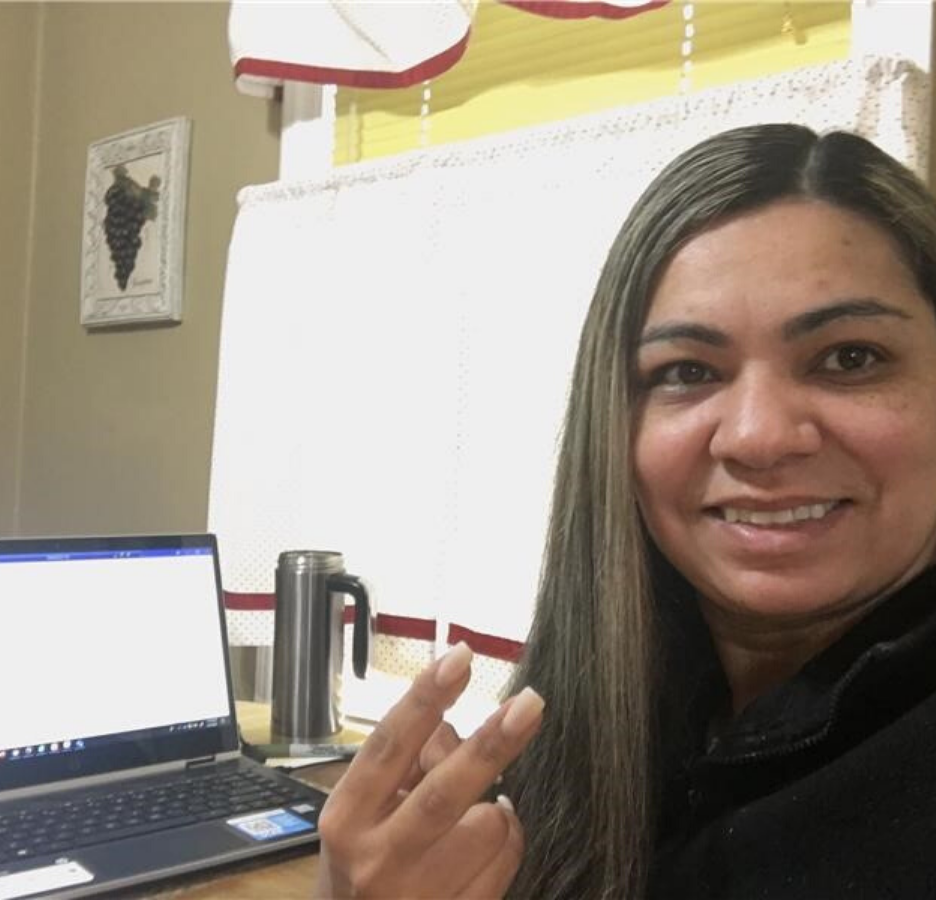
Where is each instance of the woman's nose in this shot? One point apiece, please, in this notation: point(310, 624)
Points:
point(763, 421)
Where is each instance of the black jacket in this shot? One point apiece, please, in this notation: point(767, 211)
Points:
point(823, 788)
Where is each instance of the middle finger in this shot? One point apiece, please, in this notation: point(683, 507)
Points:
point(381, 766)
point(442, 742)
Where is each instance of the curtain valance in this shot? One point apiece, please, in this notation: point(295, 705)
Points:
point(370, 43)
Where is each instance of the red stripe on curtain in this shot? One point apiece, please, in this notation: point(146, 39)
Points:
point(486, 644)
point(394, 626)
point(398, 626)
point(249, 602)
point(563, 9)
point(356, 78)
point(403, 626)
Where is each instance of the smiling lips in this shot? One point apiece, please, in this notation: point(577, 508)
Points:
point(789, 516)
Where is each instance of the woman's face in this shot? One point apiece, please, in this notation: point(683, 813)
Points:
point(786, 432)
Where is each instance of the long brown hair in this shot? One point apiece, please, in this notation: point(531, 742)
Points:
point(587, 789)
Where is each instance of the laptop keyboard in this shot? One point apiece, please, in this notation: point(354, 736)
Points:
point(66, 825)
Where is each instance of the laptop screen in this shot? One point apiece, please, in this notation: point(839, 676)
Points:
point(112, 655)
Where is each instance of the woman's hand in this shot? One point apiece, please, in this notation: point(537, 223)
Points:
point(405, 821)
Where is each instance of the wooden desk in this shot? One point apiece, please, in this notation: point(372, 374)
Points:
point(273, 878)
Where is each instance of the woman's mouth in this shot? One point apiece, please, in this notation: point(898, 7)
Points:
point(772, 518)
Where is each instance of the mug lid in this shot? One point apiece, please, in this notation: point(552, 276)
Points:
point(327, 561)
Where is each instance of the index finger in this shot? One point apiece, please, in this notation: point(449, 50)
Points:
point(387, 756)
point(453, 786)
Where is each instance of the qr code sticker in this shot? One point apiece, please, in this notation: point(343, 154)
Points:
point(271, 824)
point(260, 829)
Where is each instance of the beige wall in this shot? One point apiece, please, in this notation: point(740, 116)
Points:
point(19, 33)
point(116, 430)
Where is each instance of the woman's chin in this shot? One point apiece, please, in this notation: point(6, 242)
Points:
point(759, 597)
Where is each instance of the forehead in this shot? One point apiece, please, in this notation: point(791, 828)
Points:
point(772, 263)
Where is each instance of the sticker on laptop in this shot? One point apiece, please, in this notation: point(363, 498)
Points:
point(273, 823)
point(303, 808)
point(45, 878)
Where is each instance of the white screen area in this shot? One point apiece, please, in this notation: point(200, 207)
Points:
point(90, 647)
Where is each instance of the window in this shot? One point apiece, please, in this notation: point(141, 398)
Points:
point(522, 69)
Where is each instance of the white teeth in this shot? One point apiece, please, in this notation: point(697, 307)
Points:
point(783, 517)
point(778, 516)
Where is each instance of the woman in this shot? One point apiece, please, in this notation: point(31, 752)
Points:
point(734, 618)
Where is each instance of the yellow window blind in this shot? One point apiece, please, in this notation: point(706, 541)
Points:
point(522, 69)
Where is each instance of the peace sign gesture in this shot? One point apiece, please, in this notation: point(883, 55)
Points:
point(392, 829)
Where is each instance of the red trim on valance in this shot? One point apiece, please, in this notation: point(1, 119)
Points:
point(270, 73)
point(563, 9)
point(276, 71)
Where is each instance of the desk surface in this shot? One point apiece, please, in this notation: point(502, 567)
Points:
point(280, 878)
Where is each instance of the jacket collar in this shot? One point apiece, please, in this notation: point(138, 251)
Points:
point(877, 667)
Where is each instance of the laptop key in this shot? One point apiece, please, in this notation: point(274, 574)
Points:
point(56, 846)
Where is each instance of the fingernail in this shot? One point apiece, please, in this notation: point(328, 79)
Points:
point(523, 712)
point(504, 800)
point(454, 665)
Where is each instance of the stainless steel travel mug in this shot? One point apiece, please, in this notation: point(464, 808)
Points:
point(308, 643)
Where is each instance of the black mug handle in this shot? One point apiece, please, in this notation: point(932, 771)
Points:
point(361, 639)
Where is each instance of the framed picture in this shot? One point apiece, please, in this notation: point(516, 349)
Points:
point(134, 226)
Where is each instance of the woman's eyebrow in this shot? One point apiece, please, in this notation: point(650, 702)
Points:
point(686, 331)
point(863, 307)
point(804, 323)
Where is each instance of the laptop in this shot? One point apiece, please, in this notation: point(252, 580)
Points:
point(119, 754)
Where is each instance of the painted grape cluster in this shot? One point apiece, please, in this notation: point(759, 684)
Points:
point(129, 206)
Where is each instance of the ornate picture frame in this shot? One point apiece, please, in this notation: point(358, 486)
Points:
point(134, 226)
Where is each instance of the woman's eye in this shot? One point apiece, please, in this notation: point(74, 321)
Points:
point(851, 358)
point(687, 373)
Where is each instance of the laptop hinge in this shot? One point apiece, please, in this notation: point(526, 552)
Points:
point(198, 763)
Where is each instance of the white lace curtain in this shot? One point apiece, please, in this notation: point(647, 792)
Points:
point(397, 341)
